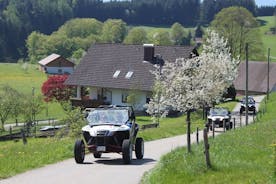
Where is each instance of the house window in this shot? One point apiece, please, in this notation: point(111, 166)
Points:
point(116, 74)
point(124, 97)
point(129, 74)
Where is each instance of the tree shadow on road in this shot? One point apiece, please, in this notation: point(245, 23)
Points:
point(119, 161)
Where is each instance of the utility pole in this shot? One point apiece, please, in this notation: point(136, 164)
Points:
point(268, 58)
point(246, 84)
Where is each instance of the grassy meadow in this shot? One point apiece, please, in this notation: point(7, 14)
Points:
point(246, 155)
point(15, 157)
point(269, 40)
point(24, 77)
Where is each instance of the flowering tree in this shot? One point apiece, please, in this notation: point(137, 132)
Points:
point(54, 88)
point(8, 104)
point(186, 84)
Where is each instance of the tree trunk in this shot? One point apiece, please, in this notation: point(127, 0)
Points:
point(189, 131)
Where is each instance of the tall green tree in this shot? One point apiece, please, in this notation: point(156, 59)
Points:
point(81, 27)
point(238, 26)
point(114, 31)
point(8, 102)
point(211, 7)
point(162, 38)
point(136, 36)
point(35, 44)
point(178, 34)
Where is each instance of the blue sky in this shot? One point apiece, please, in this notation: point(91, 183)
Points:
point(266, 2)
point(258, 2)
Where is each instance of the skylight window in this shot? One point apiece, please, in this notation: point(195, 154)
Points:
point(116, 74)
point(129, 74)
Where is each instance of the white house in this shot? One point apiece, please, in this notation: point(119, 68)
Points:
point(109, 73)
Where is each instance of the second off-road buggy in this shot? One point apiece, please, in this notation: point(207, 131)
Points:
point(219, 117)
point(251, 105)
point(110, 129)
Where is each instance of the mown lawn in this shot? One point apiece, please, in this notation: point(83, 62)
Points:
point(242, 156)
point(24, 77)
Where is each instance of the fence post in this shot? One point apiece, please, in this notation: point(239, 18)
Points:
point(197, 135)
point(213, 129)
point(234, 123)
point(23, 137)
point(10, 131)
point(240, 120)
point(223, 125)
point(254, 118)
point(206, 148)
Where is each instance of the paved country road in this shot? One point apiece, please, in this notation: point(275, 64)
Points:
point(108, 169)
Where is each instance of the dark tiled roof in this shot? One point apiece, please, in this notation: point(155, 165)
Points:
point(102, 60)
point(257, 77)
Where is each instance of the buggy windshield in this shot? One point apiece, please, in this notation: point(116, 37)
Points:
point(250, 101)
point(108, 116)
point(218, 112)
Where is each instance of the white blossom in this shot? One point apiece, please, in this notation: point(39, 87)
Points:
point(186, 84)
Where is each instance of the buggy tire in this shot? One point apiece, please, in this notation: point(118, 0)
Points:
point(241, 111)
point(139, 148)
point(97, 155)
point(254, 112)
point(127, 151)
point(79, 151)
point(231, 125)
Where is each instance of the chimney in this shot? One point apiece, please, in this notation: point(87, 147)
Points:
point(148, 52)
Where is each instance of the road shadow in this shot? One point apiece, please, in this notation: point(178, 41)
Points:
point(119, 161)
point(86, 163)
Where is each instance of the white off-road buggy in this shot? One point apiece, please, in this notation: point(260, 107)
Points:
point(110, 129)
point(219, 117)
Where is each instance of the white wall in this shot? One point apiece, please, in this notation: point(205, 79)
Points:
point(55, 70)
point(117, 98)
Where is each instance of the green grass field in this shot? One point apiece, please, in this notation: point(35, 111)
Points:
point(24, 78)
point(269, 40)
point(16, 158)
point(242, 156)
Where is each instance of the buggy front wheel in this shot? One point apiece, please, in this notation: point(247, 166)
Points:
point(127, 151)
point(79, 151)
point(139, 148)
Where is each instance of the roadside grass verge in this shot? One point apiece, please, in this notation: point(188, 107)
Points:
point(16, 158)
point(242, 156)
point(169, 127)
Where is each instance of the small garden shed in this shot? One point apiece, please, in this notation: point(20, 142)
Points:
point(55, 64)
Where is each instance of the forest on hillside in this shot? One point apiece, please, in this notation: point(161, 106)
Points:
point(18, 19)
